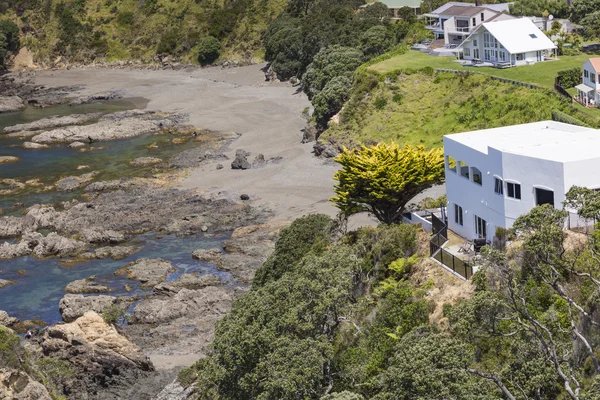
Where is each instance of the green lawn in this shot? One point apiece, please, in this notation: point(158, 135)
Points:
point(541, 74)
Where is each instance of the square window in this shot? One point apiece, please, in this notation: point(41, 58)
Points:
point(513, 190)
point(498, 186)
point(533, 36)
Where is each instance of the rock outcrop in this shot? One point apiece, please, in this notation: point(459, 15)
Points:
point(73, 306)
point(4, 283)
point(241, 160)
point(145, 161)
point(8, 159)
point(100, 357)
point(17, 385)
point(11, 103)
point(87, 285)
point(53, 122)
point(149, 272)
point(71, 183)
point(115, 252)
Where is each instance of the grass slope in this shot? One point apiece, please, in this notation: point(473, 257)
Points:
point(420, 108)
point(84, 30)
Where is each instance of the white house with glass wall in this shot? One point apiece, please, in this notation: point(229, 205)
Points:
point(495, 175)
point(588, 92)
point(508, 42)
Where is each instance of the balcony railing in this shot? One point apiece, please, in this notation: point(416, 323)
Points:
point(458, 29)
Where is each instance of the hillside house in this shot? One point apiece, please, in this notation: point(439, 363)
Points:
point(588, 92)
point(493, 176)
point(456, 20)
point(509, 42)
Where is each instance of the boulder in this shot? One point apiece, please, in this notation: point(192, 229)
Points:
point(11, 103)
point(148, 271)
point(71, 183)
point(241, 160)
point(52, 245)
point(87, 285)
point(245, 197)
point(8, 159)
point(102, 236)
point(73, 306)
point(211, 255)
point(145, 161)
point(11, 226)
point(75, 145)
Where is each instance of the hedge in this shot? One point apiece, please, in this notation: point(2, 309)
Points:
point(569, 78)
point(560, 116)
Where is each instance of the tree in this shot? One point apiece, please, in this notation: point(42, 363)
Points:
point(9, 40)
point(331, 99)
point(540, 8)
point(382, 179)
point(329, 63)
point(209, 50)
point(375, 41)
point(583, 8)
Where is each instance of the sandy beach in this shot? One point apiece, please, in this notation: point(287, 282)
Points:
point(267, 115)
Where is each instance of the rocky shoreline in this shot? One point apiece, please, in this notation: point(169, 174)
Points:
point(176, 320)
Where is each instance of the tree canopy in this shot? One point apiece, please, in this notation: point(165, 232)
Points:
point(381, 179)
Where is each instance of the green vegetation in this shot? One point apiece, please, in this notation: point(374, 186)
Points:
point(9, 39)
point(569, 78)
point(113, 314)
point(84, 31)
point(351, 319)
point(422, 107)
point(209, 50)
point(382, 179)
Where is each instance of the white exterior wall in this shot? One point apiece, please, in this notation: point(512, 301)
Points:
point(587, 66)
point(501, 210)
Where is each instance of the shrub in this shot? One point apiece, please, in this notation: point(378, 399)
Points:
point(331, 99)
point(566, 118)
point(209, 49)
point(569, 78)
point(375, 41)
point(168, 42)
point(380, 103)
point(113, 314)
point(9, 40)
point(330, 63)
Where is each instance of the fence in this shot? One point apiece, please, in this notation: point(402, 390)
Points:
point(437, 252)
point(561, 90)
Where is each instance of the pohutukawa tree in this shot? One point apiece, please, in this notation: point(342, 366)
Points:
point(382, 179)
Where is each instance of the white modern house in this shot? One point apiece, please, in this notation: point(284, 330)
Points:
point(507, 42)
point(495, 175)
point(588, 92)
point(461, 16)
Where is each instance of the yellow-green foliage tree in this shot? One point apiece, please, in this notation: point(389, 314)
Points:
point(381, 179)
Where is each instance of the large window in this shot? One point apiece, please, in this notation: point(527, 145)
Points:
point(458, 214)
point(498, 186)
point(593, 78)
point(586, 74)
point(476, 53)
point(474, 42)
point(513, 190)
point(520, 56)
point(467, 52)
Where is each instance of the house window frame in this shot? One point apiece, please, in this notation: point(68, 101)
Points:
point(593, 78)
point(482, 17)
point(460, 165)
point(586, 74)
point(466, 52)
point(474, 21)
point(475, 42)
point(516, 187)
point(449, 160)
point(458, 215)
point(476, 172)
point(499, 186)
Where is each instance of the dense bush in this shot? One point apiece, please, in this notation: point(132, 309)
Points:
point(331, 99)
point(540, 8)
point(330, 63)
point(569, 78)
point(566, 118)
point(297, 240)
point(376, 41)
point(209, 50)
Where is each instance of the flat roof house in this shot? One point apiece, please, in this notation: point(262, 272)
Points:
point(507, 43)
point(493, 176)
point(588, 92)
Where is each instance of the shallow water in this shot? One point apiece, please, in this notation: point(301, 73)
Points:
point(36, 293)
point(37, 290)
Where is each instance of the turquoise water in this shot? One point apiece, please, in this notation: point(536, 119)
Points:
point(37, 291)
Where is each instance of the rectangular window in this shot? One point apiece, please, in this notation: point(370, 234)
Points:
point(474, 21)
point(463, 169)
point(520, 56)
point(498, 186)
point(486, 40)
point(502, 56)
point(586, 74)
point(482, 17)
point(593, 78)
point(513, 190)
point(467, 52)
point(475, 42)
point(458, 214)
point(476, 54)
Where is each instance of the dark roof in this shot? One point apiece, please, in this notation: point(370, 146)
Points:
point(464, 11)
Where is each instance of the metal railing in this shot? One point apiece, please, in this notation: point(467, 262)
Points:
point(437, 252)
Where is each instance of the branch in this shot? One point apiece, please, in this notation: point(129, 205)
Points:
point(494, 379)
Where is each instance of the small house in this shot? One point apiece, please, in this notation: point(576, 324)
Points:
point(588, 92)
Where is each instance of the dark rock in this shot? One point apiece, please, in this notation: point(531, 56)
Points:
point(245, 197)
point(323, 150)
point(219, 166)
point(241, 160)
